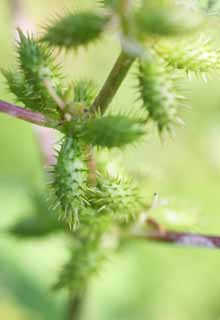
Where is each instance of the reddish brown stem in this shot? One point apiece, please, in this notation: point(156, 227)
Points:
point(182, 238)
point(24, 114)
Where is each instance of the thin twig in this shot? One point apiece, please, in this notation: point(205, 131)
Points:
point(105, 96)
point(181, 238)
point(91, 166)
point(75, 306)
point(57, 99)
point(24, 114)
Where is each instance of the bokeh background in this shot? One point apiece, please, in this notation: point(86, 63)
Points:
point(144, 280)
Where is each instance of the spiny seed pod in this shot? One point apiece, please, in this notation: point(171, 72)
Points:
point(16, 85)
point(78, 99)
point(85, 261)
point(199, 57)
point(158, 92)
point(112, 131)
point(69, 184)
point(76, 29)
point(84, 91)
point(160, 18)
point(36, 64)
point(117, 197)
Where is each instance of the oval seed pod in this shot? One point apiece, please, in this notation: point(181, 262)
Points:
point(158, 90)
point(117, 197)
point(70, 181)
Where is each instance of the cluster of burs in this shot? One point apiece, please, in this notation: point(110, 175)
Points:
point(163, 42)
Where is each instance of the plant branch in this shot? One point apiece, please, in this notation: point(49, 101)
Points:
point(75, 307)
point(113, 82)
point(24, 114)
point(57, 99)
point(180, 238)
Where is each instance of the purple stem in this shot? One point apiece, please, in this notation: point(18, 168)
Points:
point(182, 238)
point(24, 114)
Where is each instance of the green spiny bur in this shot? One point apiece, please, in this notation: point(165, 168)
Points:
point(69, 181)
point(117, 197)
point(78, 99)
point(16, 85)
point(160, 18)
point(36, 64)
point(87, 253)
point(112, 131)
point(84, 91)
point(158, 92)
point(197, 56)
point(76, 29)
point(85, 261)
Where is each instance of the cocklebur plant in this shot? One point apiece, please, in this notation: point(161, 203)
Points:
point(85, 199)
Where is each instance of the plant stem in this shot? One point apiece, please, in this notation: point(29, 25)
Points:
point(75, 307)
point(24, 114)
point(113, 82)
point(181, 238)
point(91, 166)
point(105, 96)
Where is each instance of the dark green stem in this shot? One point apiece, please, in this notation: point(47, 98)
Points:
point(113, 82)
point(75, 306)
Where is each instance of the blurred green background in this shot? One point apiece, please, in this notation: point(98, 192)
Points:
point(145, 280)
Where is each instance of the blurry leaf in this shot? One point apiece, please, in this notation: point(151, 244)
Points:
point(39, 223)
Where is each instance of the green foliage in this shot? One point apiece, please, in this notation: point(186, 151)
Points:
point(154, 29)
point(34, 227)
point(110, 3)
point(112, 131)
point(69, 181)
point(75, 30)
point(158, 91)
point(38, 223)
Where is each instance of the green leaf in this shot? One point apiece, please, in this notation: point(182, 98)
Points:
point(112, 131)
point(75, 30)
point(39, 223)
point(34, 227)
